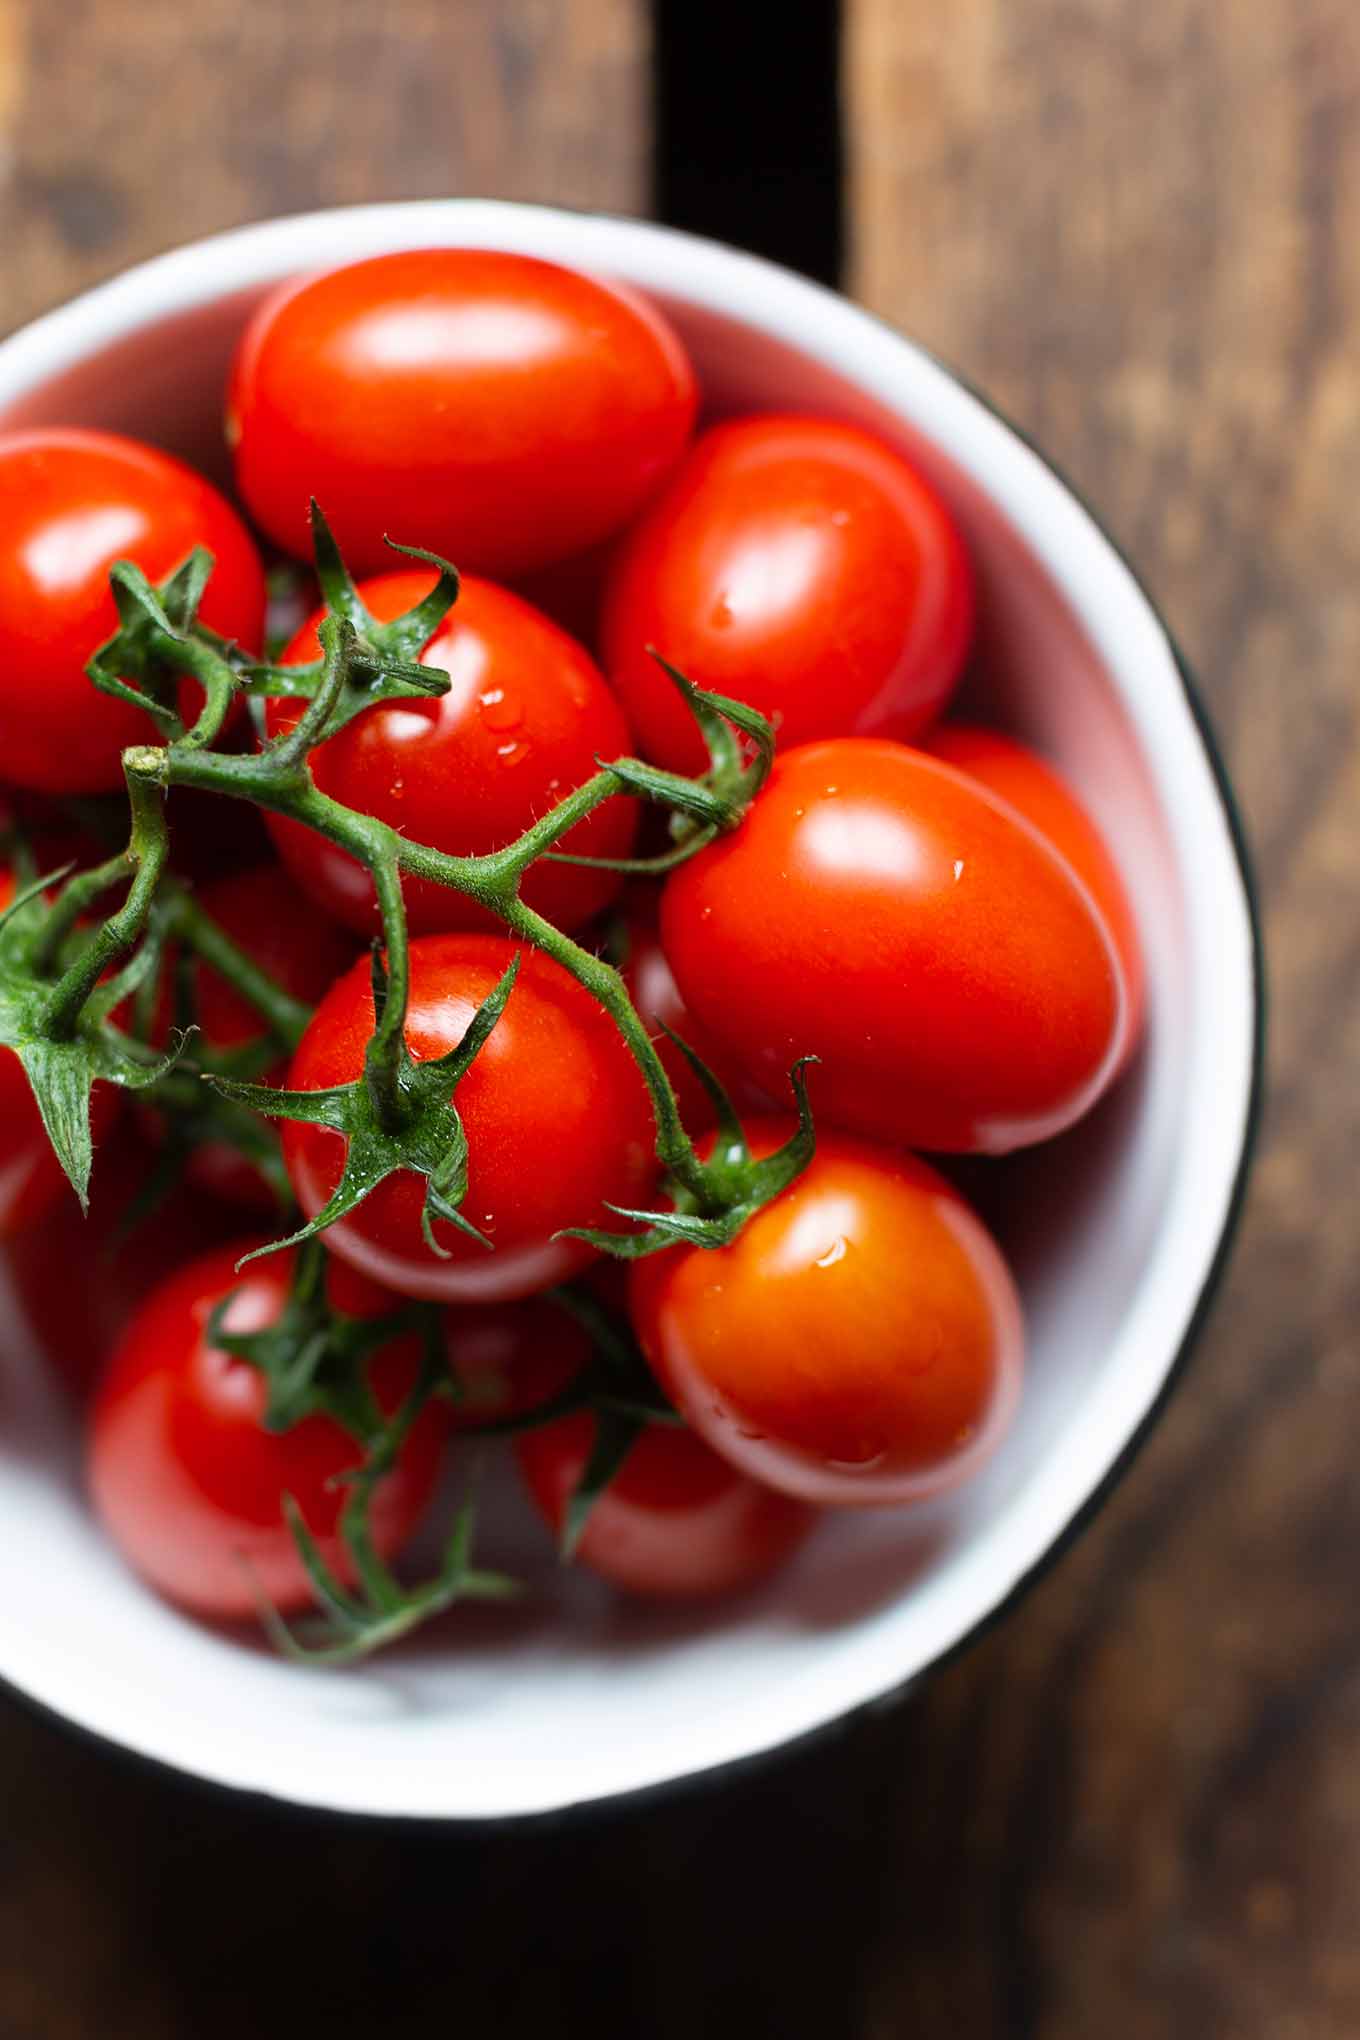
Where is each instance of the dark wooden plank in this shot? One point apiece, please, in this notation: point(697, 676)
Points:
point(1138, 227)
point(127, 126)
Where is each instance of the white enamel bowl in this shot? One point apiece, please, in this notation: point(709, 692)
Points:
point(574, 1698)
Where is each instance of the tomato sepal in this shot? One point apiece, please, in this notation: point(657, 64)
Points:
point(353, 1625)
point(63, 1063)
point(313, 1357)
point(706, 807)
point(159, 638)
point(312, 1354)
point(376, 661)
point(732, 1186)
point(616, 1433)
point(409, 1121)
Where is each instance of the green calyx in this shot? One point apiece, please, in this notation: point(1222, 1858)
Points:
point(314, 1357)
point(407, 1121)
point(63, 1064)
point(381, 660)
point(617, 1387)
point(709, 1210)
point(316, 1360)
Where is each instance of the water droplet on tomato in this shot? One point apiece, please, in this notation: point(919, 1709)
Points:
point(501, 708)
point(837, 1251)
point(513, 753)
point(721, 615)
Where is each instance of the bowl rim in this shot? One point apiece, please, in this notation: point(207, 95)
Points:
point(178, 281)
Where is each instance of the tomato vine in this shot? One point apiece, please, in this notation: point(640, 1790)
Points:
point(64, 984)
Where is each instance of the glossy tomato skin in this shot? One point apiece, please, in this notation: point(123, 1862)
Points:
point(32, 1181)
point(76, 1321)
point(1016, 774)
point(557, 1118)
point(677, 1522)
point(522, 725)
point(189, 1483)
point(859, 1343)
point(798, 565)
point(506, 1359)
point(653, 990)
point(500, 410)
point(302, 950)
point(71, 503)
point(916, 935)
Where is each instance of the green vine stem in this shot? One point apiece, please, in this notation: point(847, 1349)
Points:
point(278, 779)
point(363, 662)
point(400, 1115)
point(284, 1016)
point(146, 852)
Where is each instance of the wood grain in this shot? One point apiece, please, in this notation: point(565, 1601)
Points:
point(1139, 228)
point(136, 124)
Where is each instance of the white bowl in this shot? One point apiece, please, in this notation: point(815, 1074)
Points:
point(575, 1698)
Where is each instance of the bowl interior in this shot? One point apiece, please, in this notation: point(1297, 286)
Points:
point(1112, 1229)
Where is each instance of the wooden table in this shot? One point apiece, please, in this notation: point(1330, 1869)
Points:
point(1134, 1811)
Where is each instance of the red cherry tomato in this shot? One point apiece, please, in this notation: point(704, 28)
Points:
point(522, 725)
point(557, 1119)
point(1020, 776)
point(190, 1484)
point(32, 1180)
point(302, 951)
point(71, 503)
point(881, 911)
point(498, 409)
point(509, 1358)
point(676, 1523)
point(652, 987)
point(798, 565)
point(76, 1322)
point(859, 1342)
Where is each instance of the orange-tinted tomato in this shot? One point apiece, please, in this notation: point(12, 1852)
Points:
point(859, 1342)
